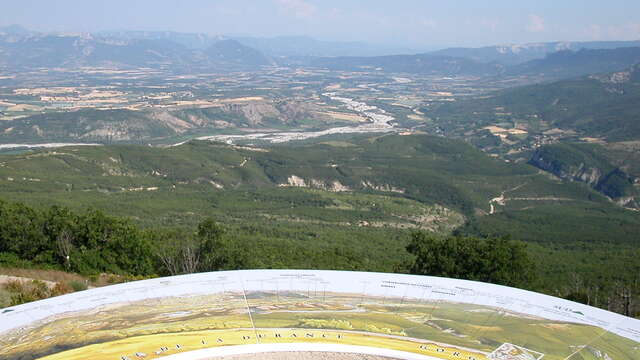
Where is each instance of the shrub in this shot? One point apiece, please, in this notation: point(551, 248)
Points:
point(23, 292)
point(14, 286)
point(61, 288)
point(38, 289)
point(78, 285)
point(5, 298)
point(21, 298)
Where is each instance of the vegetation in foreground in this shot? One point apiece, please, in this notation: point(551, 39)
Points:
point(93, 243)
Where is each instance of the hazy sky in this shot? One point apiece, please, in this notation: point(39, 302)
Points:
point(416, 23)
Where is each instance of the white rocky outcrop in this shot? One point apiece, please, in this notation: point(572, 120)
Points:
point(297, 181)
point(383, 187)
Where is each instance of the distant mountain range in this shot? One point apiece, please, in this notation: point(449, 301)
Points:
point(304, 46)
point(188, 40)
point(21, 48)
point(559, 65)
point(516, 54)
point(280, 46)
point(567, 64)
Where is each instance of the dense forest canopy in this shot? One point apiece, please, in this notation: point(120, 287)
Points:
point(92, 242)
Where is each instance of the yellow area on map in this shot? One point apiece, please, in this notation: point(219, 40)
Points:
point(196, 340)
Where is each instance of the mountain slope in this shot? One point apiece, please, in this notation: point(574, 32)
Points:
point(600, 106)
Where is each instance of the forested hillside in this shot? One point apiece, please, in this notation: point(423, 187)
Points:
point(341, 204)
point(601, 106)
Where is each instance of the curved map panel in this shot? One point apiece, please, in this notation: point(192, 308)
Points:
point(204, 315)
